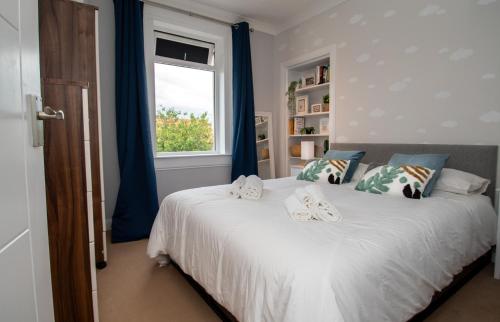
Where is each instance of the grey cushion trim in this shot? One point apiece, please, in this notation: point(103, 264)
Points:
point(480, 160)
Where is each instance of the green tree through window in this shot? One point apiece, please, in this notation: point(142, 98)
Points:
point(177, 131)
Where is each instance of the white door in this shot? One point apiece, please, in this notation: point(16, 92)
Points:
point(25, 285)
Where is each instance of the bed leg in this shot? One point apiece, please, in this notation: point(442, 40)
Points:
point(163, 260)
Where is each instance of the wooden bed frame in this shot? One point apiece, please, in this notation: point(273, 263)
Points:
point(461, 157)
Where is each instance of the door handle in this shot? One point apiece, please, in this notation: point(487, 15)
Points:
point(49, 113)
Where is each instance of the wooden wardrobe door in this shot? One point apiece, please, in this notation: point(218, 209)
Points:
point(65, 180)
point(68, 52)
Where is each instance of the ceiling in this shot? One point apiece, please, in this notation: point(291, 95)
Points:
point(273, 15)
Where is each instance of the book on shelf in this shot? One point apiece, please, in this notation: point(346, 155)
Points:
point(290, 126)
point(322, 74)
point(298, 124)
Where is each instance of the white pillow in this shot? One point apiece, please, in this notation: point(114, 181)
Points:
point(406, 181)
point(360, 172)
point(460, 182)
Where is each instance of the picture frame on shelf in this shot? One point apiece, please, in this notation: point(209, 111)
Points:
point(316, 108)
point(309, 81)
point(302, 105)
point(324, 125)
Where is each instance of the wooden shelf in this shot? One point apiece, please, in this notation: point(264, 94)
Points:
point(262, 141)
point(311, 88)
point(263, 160)
point(310, 114)
point(307, 135)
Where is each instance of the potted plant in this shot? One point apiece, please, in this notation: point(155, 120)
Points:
point(291, 97)
point(326, 103)
point(307, 130)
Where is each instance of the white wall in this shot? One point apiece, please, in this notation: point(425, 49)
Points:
point(169, 180)
point(264, 83)
point(262, 47)
point(409, 71)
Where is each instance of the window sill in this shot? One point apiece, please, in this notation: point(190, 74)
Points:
point(187, 161)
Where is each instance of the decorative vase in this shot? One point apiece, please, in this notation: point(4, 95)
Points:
point(326, 107)
point(295, 150)
point(264, 153)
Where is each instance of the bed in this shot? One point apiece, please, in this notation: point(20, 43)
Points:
point(388, 260)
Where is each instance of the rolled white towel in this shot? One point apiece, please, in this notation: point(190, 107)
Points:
point(236, 186)
point(327, 212)
point(324, 210)
point(296, 209)
point(305, 197)
point(252, 189)
point(315, 202)
point(315, 191)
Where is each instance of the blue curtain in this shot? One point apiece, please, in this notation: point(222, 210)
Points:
point(137, 202)
point(244, 159)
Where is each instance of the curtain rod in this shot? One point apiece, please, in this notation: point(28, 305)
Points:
point(190, 13)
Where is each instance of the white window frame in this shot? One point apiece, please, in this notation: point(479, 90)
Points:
point(173, 23)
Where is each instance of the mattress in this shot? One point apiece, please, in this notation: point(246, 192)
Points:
point(383, 262)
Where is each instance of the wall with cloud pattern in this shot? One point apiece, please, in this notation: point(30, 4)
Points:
point(409, 71)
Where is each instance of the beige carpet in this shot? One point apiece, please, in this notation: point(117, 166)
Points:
point(132, 288)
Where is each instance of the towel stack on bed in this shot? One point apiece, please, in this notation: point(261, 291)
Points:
point(246, 188)
point(309, 203)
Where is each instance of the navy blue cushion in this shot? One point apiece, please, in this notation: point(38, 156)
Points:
point(354, 156)
point(432, 161)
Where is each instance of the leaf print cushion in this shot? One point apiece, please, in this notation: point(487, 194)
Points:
point(405, 181)
point(331, 171)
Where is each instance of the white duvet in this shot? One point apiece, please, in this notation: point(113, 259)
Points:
point(383, 262)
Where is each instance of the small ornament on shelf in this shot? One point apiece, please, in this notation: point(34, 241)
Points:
point(326, 146)
point(324, 127)
point(326, 103)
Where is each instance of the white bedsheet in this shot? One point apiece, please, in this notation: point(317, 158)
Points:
point(383, 262)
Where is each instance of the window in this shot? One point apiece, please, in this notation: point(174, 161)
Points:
point(185, 95)
point(188, 69)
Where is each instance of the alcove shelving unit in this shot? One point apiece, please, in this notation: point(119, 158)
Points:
point(265, 146)
point(319, 65)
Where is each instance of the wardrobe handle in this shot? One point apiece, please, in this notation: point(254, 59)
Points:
point(49, 113)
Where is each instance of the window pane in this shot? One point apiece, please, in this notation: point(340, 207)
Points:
point(184, 109)
point(182, 51)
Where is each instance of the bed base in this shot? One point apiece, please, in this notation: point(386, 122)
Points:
point(438, 298)
point(467, 273)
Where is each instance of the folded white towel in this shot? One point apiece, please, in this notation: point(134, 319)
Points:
point(296, 209)
point(236, 186)
point(313, 202)
point(252, 189)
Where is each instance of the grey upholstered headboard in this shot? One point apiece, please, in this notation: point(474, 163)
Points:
point(478, 159)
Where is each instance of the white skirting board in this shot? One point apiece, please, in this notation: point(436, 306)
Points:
point(108, 224)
